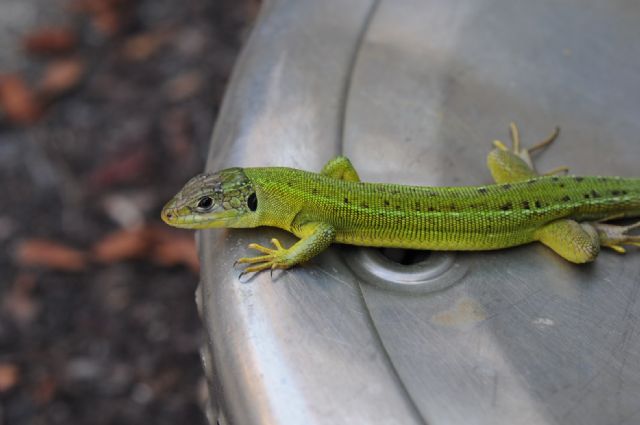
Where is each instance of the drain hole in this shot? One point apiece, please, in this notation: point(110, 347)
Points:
point(407, 269)
point(406, 257)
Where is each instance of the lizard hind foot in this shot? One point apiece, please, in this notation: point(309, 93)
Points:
point(615, 236)
point(514, 164)
point(525, 153)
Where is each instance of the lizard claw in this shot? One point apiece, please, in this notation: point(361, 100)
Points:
point(525, 153)
point(614, 236)
point(272, 258)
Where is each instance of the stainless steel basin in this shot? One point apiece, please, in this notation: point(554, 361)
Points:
point(413, 91)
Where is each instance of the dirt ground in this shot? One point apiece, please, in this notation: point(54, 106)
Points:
point(105, 111)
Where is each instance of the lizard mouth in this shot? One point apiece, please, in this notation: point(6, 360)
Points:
point(186, 219)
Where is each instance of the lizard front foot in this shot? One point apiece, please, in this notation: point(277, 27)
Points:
point(272, 259)
point(315, 237)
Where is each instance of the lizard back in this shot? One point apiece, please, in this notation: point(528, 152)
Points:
point(460, 218)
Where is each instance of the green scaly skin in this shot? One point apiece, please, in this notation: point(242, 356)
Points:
point(334, 206)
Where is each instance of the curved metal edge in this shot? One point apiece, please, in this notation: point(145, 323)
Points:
point(300, 348)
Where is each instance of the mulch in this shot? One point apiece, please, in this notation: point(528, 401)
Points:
point(98, 323)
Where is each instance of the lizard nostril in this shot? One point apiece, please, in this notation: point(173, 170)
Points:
point(168, 215)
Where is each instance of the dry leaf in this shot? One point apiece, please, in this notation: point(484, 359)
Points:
point(45, 390)
point(185, 85)
point(45, 253)
point(123, 245)
point(9, 376)
point(177, 249)
point(123, 169)
point(163, 246)
point(61, 76)
point(48, 41)
point(19, 302)
point(107, 16)
point(142, 47)
point(95, 6)
point(179, 134)
point(108, 22)
point(18, 100)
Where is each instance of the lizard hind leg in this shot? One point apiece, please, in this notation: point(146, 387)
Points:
point(576, 242)
point(340, 168)
point(515, 164)
point(581, 242)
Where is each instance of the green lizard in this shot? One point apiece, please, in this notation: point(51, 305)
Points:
point(566, 213)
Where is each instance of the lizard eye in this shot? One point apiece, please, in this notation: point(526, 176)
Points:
point(205, 203)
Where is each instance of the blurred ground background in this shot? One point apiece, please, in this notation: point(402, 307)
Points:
point(106, 107)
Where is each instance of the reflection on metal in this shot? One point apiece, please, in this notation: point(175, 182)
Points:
point(437, 271)
point(413, 91)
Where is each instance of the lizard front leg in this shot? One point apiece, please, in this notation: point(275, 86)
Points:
point(314, 238)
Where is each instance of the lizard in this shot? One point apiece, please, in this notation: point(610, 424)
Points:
point(567, 213)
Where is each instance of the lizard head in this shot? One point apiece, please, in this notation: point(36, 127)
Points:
point(223, 199)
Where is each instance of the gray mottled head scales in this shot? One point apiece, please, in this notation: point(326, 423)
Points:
point(228, 190)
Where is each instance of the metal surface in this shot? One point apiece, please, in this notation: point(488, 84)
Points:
point(299, 349)
point(414, 91)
